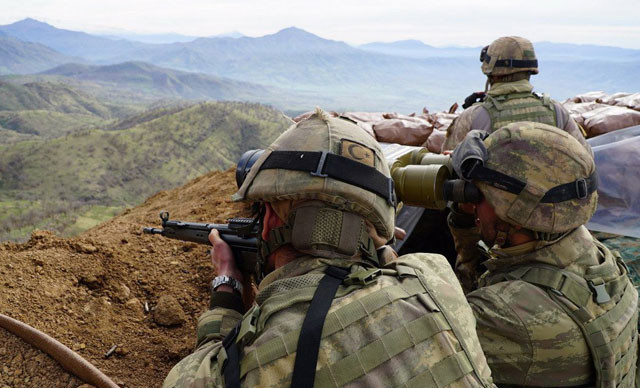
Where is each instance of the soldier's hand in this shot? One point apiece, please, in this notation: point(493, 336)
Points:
point(223, 260)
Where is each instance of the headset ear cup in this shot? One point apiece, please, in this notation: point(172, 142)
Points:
point(483, 53)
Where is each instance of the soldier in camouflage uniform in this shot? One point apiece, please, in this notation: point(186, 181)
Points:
point(508, 63)
point(556, 307)
point(332, 310)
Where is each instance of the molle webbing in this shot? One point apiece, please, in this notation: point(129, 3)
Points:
point(603, 334)
point(390, 345)
point(404, 336)
point(304, 369)
point(337, 320)
point(508, 108)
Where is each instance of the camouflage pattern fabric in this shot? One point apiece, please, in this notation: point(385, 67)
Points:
point(629, 249)
point(477, 116)
point(529, 339)
point(338, 136)
point(509, 48)
point(411, 327)
point(543, 157)
point(468, 258)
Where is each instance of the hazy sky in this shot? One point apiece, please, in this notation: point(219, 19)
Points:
point(458, 22)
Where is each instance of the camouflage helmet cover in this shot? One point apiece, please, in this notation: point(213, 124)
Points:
point(544, 157)
point(320, 132)
point(508, 55)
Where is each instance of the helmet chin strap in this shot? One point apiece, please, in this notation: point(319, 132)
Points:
point(503, 231)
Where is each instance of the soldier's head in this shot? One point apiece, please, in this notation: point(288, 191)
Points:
point(328, 183)
point(536, 180)
point(509, 58)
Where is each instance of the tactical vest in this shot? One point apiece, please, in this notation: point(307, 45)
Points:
point(365, 352)
point(509, 108)
point(603, 303)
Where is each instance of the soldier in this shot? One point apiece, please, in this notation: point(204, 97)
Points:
point(556, 307)
point(332, 311)
point(508, 63)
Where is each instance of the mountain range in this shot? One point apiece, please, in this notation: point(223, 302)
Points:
point(404, 76)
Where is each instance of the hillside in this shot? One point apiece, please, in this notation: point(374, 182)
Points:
point(52, 109)
point(18, 57)
point(50, 96)
point(89, 292)
point(71, 183)
point(156, 82)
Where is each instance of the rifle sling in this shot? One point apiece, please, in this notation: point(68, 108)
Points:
point(304, 369)
point(231, 367)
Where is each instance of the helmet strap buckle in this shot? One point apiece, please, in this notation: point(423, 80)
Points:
point(582, 189)
point(320, 167)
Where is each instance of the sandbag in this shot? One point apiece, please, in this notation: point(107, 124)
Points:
point(609, 118)
point(588, 97)
point(631, 101)
point(435, 141)
point(577, 110)
point(441, 120)
point(403, 131)
point(611, 99)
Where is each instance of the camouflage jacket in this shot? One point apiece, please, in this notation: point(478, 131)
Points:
point(410, 327)
point(477, 116)
point(528, 338)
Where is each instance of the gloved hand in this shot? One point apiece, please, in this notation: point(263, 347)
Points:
point(473, 98)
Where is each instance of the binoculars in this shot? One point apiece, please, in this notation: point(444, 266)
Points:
point(428, 180)
point(420, 179)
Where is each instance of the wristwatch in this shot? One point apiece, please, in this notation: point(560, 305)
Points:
point(226, 280)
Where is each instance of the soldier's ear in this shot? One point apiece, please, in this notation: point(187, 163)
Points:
point(270, 221)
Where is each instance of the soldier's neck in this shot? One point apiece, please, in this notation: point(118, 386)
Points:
point(282, 256)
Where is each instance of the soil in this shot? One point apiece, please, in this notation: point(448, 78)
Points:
point(90, 292)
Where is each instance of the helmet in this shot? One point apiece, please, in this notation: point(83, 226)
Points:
point(326, 159)
point(508, 55)
point(534, 175)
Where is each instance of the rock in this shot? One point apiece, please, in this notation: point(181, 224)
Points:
point(121, 292)
point(85, 248)
point(168, 312)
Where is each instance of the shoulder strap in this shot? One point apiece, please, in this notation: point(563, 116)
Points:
point(231, 368)
point(304, 369)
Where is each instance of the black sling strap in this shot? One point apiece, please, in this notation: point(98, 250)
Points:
point(231, 368)
point(325, 164)
point(304, 369)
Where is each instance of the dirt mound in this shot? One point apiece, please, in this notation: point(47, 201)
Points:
point(92, 292)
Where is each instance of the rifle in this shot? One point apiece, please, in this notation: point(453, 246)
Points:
point(240, 233)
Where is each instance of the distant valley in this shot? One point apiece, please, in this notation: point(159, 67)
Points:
point(92, 124)
point(402, 76)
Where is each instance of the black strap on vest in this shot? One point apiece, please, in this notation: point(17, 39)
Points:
point(304, 369)
point(325, 164)
point(517, 63)
point(231, 367)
